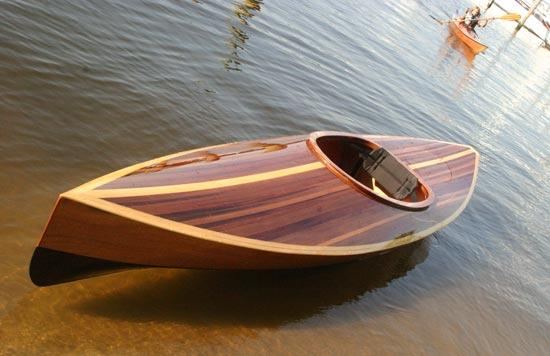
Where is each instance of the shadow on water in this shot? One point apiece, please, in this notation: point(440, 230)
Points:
point(243, 11)
point(254, 298)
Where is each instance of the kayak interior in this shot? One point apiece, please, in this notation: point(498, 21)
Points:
point(372, 169)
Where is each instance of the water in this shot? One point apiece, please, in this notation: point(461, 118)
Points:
point(88, 88)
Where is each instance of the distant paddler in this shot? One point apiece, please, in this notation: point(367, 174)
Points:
point(472, 19)
point(463, 27)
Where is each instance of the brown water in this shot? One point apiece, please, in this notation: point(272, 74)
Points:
point(88, 88)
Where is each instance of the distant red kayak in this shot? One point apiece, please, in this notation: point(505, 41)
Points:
point(287, 202)
point(461, 32)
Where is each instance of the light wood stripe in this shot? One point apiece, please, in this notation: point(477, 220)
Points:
point(435, 161)
point(214, 184)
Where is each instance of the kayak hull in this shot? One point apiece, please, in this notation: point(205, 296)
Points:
point(269, 204)
point(461, 33)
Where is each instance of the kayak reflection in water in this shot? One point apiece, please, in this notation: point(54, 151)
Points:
point(471, 20)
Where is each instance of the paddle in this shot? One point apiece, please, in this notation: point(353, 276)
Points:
point(507, 17)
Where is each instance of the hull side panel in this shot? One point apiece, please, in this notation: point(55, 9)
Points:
point(87, 231)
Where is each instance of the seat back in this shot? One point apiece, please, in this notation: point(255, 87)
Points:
point(389, 173)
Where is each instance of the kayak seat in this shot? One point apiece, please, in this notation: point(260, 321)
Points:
point(389, 174)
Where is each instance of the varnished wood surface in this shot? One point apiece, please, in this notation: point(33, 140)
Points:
point(267, 204)
point(472, 43)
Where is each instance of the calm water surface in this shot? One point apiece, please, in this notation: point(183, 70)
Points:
point(87, 88)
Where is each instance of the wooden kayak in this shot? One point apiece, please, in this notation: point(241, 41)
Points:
point(462, 33)
point(289, 202)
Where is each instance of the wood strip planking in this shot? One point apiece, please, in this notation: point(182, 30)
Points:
point(229, 149)
point(453, 185)
point(457, 174)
